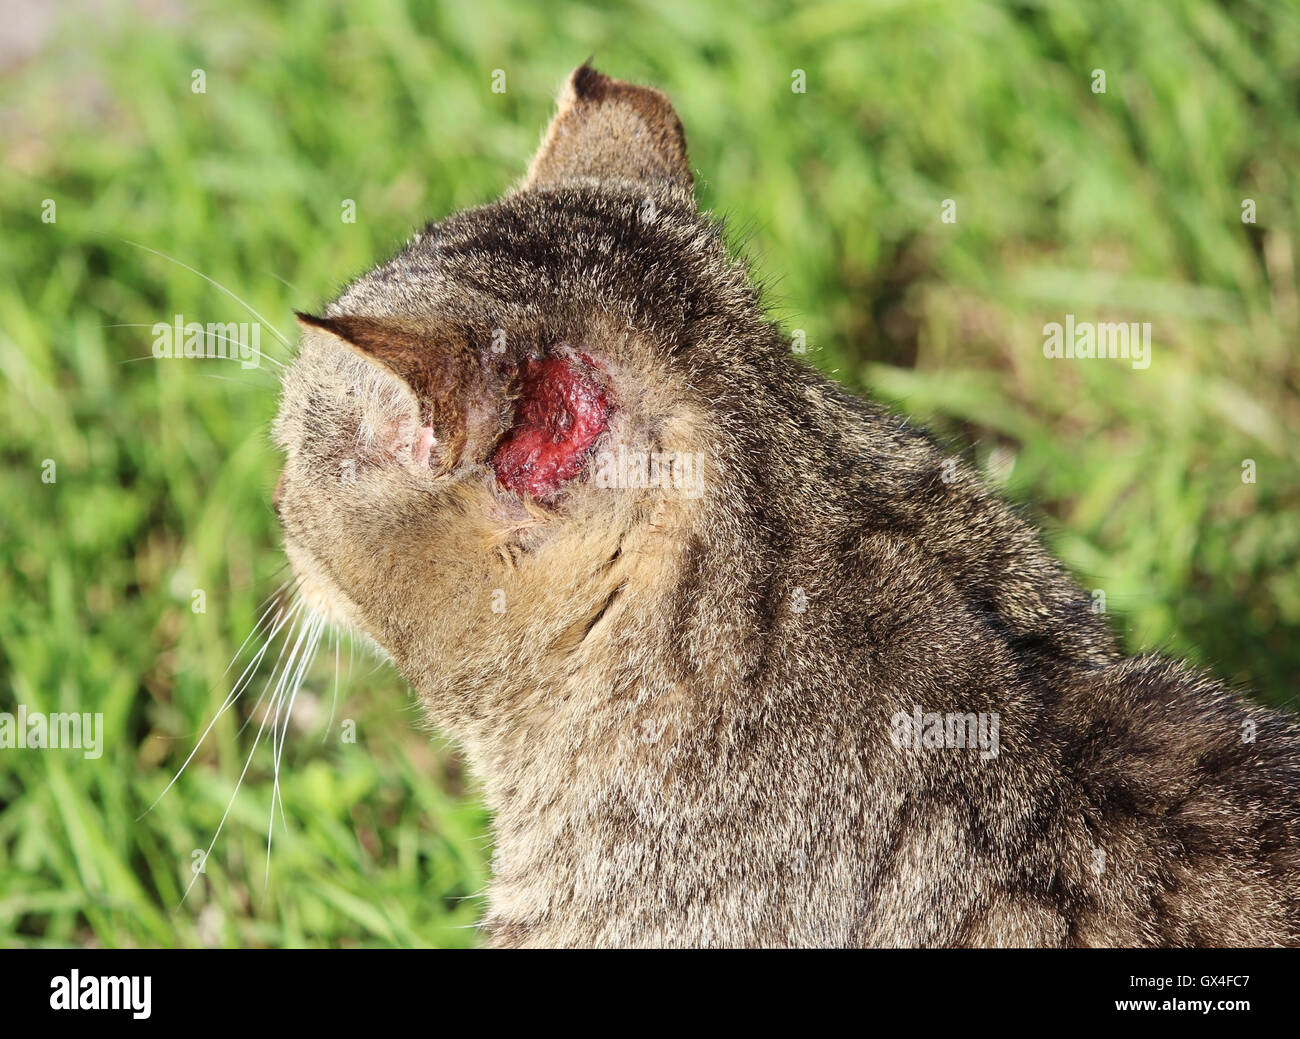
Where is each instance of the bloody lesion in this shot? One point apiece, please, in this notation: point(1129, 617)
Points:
point(561, 410)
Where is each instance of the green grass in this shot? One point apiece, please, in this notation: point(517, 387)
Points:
point(1117, 206)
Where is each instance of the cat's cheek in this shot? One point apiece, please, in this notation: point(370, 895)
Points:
point(319, 594)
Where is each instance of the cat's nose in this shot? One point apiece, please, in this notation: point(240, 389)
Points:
point(277, 493)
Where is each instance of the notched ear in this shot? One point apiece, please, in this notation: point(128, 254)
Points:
point(610, 130)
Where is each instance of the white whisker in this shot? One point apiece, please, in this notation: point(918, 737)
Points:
point(286, 691)
point(299, 604)
point(229, 804)
point(231, 697)
point(213, 335)
point(257, 739)
point(334, 700)
point(212, 281)
point(270, 603)
point(286, 284)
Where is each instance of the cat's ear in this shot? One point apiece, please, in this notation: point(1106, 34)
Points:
point(439, 365)
point(425, 366)
point(609, 130)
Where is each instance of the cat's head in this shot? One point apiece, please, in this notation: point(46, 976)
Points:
point(522, 416)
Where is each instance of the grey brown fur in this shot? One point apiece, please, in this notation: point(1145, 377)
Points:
point(680, 707)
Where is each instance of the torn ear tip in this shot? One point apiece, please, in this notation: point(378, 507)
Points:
point(310, 320)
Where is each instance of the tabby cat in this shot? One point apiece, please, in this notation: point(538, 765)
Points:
point(739, 658)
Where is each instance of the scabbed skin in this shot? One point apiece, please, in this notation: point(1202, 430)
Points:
point(560, 413)
point(680, 699)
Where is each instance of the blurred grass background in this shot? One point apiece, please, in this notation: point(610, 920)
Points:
point(1117, 206)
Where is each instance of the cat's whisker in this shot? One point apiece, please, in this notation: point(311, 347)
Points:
point(229, 804)
point(273, 710)
point(298, 605)
point(334, 700)
point(241, 683)
point(226, 378)
point(212, 335)
point(316, 626)
point(257, 739)
point(286, 692)
point(270, 603)
point(280, 622)
point(216, 284)
point(207, 375)
point(286, 284)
